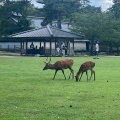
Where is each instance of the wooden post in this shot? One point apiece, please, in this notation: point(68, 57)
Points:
point(50, 47)
point(14, 48)
point(21, 48)
point(0, 47)
point(8, 48)
point(26, 45)
point(73, 45)
point(44, 48)
point(55, 47)
point(40, 44)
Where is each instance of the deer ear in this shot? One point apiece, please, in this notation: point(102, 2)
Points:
point(44, 62)
point(49, 61)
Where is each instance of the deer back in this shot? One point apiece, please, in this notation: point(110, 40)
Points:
point(64, 64)
point(61, 64)
point(86, 66)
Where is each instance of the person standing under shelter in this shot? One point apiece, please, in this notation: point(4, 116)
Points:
point(42, 51)
point(96, 50)
point(65, 50)
point(58, 49)
point(32, 48)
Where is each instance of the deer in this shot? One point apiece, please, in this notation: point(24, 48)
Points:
point(89, 65)
point(60, 65)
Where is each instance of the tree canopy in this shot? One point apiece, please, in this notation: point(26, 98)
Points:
point(56, 9)
point(97, 25)
point(89, 20)
point(116, 9)
point(6, 25)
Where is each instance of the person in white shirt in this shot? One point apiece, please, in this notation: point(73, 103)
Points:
point(96, 50)
point(58, 51)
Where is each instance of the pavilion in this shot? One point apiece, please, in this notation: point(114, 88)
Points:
point(47, 36)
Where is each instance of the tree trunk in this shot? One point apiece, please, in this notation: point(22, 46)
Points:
point(92, 48)
point(117, 50)
point(59, 20)
point(110, 50)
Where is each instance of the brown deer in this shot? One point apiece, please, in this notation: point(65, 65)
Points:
point(60, 65)
point(84, 68)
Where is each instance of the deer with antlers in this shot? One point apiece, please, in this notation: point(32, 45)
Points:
point(89, 65)
point(60, 65)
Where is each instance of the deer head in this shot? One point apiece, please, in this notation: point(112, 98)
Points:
point(47, 64)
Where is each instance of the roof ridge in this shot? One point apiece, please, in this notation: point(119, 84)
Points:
point(49, 30)
point(66, 31)
point(28, 31)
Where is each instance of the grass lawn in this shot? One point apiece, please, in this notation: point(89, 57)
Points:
point(29, 93)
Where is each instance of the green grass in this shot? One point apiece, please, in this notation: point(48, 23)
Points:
point(29, 93)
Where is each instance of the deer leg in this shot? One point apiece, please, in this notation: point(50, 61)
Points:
point(81, 76)
point(94, 74)
point(91, 74)
point(55, 74)
point(69, 75)
point(63, 74)
point(87, 75)
point(71, 71)
point(72, 74)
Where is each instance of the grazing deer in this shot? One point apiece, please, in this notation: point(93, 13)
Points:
point(84, 68)
point(60, 65)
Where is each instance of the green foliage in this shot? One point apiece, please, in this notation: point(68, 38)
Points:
point(116, 9)
point(7, 26)
point(88, 24)
point(97, 25)
point(90, 9)
point(28, 92)
point(56, 9)
point(111, 31)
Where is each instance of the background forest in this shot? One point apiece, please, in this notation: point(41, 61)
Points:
point(91, 21)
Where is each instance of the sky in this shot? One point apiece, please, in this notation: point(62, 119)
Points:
point(104, 4)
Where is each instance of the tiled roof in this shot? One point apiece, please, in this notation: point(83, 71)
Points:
point(47, 32)
point(33, 33)
point(40, 1)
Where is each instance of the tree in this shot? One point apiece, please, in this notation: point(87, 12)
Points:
point(8, 27)
point(56, 9)
point(98, 26)
point(110, 31)
point(33, 11)
point(116, 9)
point(90, 9)
point(88, 22)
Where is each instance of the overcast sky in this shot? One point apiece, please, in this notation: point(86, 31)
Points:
point(103, 3)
